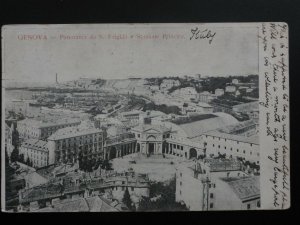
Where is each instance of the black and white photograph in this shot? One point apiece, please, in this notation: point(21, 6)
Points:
point(145, 117)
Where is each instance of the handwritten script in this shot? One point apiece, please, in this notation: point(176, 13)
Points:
point(201, 34)
point(274, 101)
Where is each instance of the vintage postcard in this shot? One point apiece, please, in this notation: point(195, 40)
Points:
point(145, 117)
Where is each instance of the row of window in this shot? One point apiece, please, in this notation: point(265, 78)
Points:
point(237, 150)
point(80, 139)
point(226, 139)
point(123, 188)
point(176, 146)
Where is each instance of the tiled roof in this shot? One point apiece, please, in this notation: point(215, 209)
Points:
point(133, 112)
point(69, 132)
point(233, 127)
point(35, 144)
point(90, 204)
point(217, 165)
point(196, 128)
point(244, 187)
point(252, 140)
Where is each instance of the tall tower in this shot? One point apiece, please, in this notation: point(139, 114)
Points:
point(56, 81)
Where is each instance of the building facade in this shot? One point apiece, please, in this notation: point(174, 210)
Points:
point(219, 92)
point(205, 185)
point(71, 143)
point(150, 138)
point(37, 152)
point(232, 146)
point(8, 139)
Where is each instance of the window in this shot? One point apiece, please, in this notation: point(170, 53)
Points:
point(237, 150)
point(211, 205)
point(181, 174)
point(180, 183)
point(214, 185)
point(132, 188)
point(123, 188)
point(218, 146)
point(248, 206)
point(181, 147)
point(244, 151)
point(211, 195)
point(213, 145)
point(258, 204)
point(180, 192)
point(209, 185)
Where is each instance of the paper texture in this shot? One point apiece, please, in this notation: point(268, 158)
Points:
point(145, 117)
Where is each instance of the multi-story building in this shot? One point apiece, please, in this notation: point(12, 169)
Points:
point(186, 93)
point(151, 139)
point(112, 185)
point(230, 89)
point(70, 142)
point(131, 117)
point(232, 146)
point(37, 152)
point(169, 83)
point(219, 92)
point(216, 184)
point(206, 97)
point(185, 139)
point(42, 129)
point(8, 139)
point(235, 81)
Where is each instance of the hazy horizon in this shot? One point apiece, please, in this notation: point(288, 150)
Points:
point(53, 82)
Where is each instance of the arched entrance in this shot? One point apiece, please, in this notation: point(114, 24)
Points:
point(193, 153)
point(112, 153)
point(138, 146)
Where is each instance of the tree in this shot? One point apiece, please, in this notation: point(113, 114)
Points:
point(14, 154)
point(106, 165)
point(166, 201)
point(21, 158)
point(28, 162)
point(127, 200)
point(15, 138)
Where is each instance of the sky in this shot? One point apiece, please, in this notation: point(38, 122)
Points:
point(233, 51)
